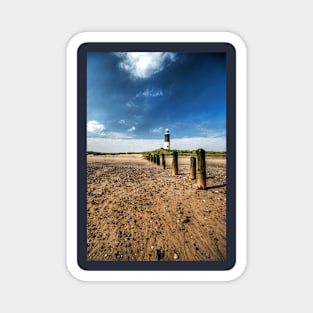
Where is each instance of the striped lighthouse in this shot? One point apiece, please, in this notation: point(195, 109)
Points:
point(167, 139)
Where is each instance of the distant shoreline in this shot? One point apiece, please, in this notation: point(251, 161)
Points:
point(160, 151)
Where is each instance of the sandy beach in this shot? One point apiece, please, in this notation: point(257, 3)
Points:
point(137, 211)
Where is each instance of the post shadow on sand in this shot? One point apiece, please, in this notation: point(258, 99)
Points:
point(213, 187)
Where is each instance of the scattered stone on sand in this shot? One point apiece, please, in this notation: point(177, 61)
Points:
point(133, 205)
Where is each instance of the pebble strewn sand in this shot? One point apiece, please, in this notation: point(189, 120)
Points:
point(139, 212)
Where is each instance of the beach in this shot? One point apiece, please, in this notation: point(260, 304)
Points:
point(138, 211)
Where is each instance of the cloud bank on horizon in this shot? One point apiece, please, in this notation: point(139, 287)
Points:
point(132, 97)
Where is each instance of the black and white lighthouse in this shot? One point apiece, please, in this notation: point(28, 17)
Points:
point(167, 139)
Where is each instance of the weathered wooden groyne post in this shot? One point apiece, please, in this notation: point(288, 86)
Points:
point(154, 158)
point(158, 159)
point(201, 171)
point(163, 160)
point(192, 175)
point(175, 163)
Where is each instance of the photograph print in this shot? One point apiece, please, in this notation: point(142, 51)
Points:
point(157, 177)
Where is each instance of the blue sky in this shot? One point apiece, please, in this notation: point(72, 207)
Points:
point(132, 97)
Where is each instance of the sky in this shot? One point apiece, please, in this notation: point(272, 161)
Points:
point(132, 97)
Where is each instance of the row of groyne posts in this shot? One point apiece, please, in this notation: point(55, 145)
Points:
point(200, 173)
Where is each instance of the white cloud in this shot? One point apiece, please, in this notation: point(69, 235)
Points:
point(122, 145)
point(131, 104)
point(140, 145)
point(206, 143)
point(117, 135)
point(144, 64)
point(94, 128)
point(156, 130)
point(150, 92)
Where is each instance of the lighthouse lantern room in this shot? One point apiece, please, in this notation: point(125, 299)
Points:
point(167, 139)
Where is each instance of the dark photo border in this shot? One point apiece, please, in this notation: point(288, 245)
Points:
point(221, 47)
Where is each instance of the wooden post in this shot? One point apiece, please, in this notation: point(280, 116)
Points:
point(201, 172)
point(158, 159)
point(175, 163)
point(163, 161)
point(154, 158)
point(192, 175)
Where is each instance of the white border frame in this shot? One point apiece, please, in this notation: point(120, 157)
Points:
point(241, 157)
